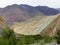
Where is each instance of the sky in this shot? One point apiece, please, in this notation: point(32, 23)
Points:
point(49, 3)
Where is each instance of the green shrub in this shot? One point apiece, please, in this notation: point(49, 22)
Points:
point(9, 36)
point(28, 39)
point(58, 37)
point(48, 39)
point(3, 41)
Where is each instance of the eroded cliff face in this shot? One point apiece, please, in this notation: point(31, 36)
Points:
point(38, 25)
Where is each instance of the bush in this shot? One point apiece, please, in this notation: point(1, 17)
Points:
point(58, 37)
point(48, 39)
point(3, 41)
point(9, 36)
point(29, 39)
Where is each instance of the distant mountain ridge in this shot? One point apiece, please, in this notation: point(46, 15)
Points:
point(48, 11)
point(18, 13)
point(58, 9)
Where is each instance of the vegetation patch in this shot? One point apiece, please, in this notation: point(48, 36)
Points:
point(9, 38)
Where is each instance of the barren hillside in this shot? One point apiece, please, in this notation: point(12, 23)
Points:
point(37, 25)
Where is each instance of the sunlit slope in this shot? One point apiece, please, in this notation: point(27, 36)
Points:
point(35, 25)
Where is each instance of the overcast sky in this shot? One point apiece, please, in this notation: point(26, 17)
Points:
point(50, 3)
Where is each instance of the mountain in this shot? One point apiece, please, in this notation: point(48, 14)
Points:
point(48, 11)
point(38, 25)
point(58, 9)
point(19, 13)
